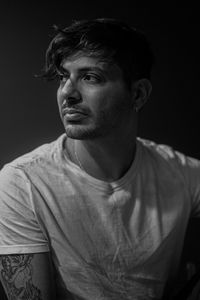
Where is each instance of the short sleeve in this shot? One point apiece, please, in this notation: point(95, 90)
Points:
point(19, 229)
point(191, 169)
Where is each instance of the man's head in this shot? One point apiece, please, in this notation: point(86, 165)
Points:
point(109, 40)
point(104, 69)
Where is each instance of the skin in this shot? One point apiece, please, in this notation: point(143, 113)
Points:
point(104, 137)
point(27, 276)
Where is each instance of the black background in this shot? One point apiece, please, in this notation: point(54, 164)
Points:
point(28, 109)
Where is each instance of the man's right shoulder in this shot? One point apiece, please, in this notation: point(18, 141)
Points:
point(42, 155)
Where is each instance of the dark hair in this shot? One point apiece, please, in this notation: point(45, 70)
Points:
point(107, 39)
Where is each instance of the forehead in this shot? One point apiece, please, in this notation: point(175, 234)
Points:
point(78, 62)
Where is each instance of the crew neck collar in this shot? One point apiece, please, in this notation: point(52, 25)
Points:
point(98, 183)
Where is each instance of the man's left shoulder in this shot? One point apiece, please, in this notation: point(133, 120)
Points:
point(168, 154)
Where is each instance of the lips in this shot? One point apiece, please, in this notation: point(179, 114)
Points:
point(72, 114)
point(72, 111)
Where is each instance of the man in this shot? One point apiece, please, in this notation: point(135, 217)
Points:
point(97, 213)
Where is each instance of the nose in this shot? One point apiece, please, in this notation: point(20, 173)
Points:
point(69, 90)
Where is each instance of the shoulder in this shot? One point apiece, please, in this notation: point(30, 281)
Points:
point(160, 150)
point(37, 158)
point(168, 157)
point(165, 152)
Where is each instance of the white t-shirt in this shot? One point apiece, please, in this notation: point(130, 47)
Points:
point(119, 240)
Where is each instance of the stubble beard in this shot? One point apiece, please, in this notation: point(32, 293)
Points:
point(103, 126)
point(84, 132)
point(98, 129)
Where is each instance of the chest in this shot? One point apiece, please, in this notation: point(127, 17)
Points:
point(128, 224)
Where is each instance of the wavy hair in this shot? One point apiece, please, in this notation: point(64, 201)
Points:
point(110, 40)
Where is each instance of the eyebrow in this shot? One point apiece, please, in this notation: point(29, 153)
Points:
point(84, 69)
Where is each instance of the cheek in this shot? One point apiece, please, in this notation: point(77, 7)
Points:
point(58, 96)
point(59, 102)
point(100, 99)
point(112, 102)
point(59, 99)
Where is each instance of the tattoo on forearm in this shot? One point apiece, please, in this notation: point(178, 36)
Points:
point(17, 276)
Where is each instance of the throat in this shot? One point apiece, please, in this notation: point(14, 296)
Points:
point(103, 165)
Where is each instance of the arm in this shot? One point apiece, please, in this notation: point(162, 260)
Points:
point(27, 276)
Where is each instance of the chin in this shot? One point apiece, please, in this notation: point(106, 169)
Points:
point(80, 133)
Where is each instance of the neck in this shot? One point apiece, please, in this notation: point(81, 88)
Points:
point(106, 159)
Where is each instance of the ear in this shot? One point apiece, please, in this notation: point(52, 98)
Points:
point(141, 90)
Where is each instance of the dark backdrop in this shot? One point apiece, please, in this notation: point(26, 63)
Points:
point(28, 109)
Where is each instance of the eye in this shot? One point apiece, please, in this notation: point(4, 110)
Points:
point(91, 77)
point(62, 77)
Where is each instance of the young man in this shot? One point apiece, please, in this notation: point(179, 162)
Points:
point(97, 213)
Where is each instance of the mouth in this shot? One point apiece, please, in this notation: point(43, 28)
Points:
point(73, 114)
